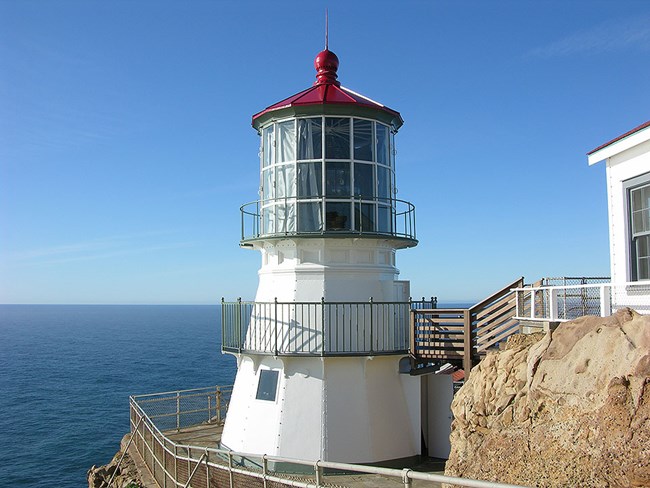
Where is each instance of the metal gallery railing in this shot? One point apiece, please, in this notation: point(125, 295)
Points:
point(567, 302)
point(394, 218)
point(317, 328)
point(173, 464)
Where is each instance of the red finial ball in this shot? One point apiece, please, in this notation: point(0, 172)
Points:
point(326, 64)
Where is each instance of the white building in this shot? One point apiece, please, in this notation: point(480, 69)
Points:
point(319, 350)
point(627, 160)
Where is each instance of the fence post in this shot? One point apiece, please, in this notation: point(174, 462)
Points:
point(605, 300)
point(533, 297)
point(238, 326)
point(178, 410)
point(218, 406)
point(467, 342)
point(322, 326)
point(371, 327)
point(553, 308)
point(230, 469)
point(265, 467)
point(275, 328)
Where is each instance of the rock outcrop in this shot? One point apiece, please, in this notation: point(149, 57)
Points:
point(568, 408)
point(126, 474)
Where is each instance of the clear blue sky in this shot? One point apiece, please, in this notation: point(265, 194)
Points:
point(126, 147)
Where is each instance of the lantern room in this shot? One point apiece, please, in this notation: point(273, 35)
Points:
point(327, 166)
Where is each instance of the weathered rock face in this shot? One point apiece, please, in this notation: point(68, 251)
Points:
point(569, 408)
point(127, 475)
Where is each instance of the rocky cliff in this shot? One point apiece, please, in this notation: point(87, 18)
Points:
point(126, 474)
point(568, 408)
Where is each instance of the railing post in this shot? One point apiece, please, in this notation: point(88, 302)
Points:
point(406, 479)
point(412, 333)
point(238, 326)
point(467, 342)
point(322, 326)
point(178, 410)
point(605, 300)
point(265, 467)
point(371, 326)
point(553, 308)
point(275, 327)
point(218, 406)
point(230, 469)
point(318, 470)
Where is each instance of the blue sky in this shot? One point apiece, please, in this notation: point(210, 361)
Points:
point(126, 147)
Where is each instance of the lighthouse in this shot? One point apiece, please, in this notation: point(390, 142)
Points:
point(322, 351)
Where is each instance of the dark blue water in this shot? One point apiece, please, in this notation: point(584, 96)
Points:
point(66, 373)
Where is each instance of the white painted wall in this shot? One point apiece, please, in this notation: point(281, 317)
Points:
point(625, 159)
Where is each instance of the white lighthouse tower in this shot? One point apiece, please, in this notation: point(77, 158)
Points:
point(319, 349)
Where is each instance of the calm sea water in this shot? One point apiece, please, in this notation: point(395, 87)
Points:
point(66, 373)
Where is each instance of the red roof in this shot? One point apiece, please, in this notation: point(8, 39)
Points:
point(629, 133)
point(327, 90)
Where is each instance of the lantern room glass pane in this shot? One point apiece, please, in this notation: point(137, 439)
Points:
point(337, 138)
point(364, 182)
point(337, 179)
point(310, 218)
point(309, 180)
point(338, 216)
point(310, 141)
point(364, 217)
point(285, 181)
point(384, 221)
point(363, 140)
point(383, 183)
point(267, 146)
point(286, 218)
point(382, 143)
point(268, 220)
point(268, 184)
point(287, 141)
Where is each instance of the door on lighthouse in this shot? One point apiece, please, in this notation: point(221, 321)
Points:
point(440, 393)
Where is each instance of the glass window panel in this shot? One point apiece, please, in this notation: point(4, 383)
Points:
point(363, 139)
point(287, 141)
point(337, 138)
point(268, 220)
point(286, 218)
point(267, 146)
point(643, 257)
point(364, 217)
point(382, 143)
point(384, 221)
point(267, 386)
point(383, 183)
point(337, 179)
point(338, 216)
point(268, 184)
point(310, 218)
point(310, 141)
point(364, 182)
point(285, 184)
point(309, 179)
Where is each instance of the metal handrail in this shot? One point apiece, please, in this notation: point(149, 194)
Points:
point(321, 328)
point(561, 303)
point(402, 221)
point(156, 449)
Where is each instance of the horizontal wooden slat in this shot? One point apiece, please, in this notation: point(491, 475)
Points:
point(509, 300)
point(487, 328)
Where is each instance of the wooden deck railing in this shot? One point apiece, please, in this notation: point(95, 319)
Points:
point(462, 335)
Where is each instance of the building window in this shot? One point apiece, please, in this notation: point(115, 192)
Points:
point(267, 386)
point(639, 201)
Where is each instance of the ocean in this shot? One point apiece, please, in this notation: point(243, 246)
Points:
point(66, 373)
